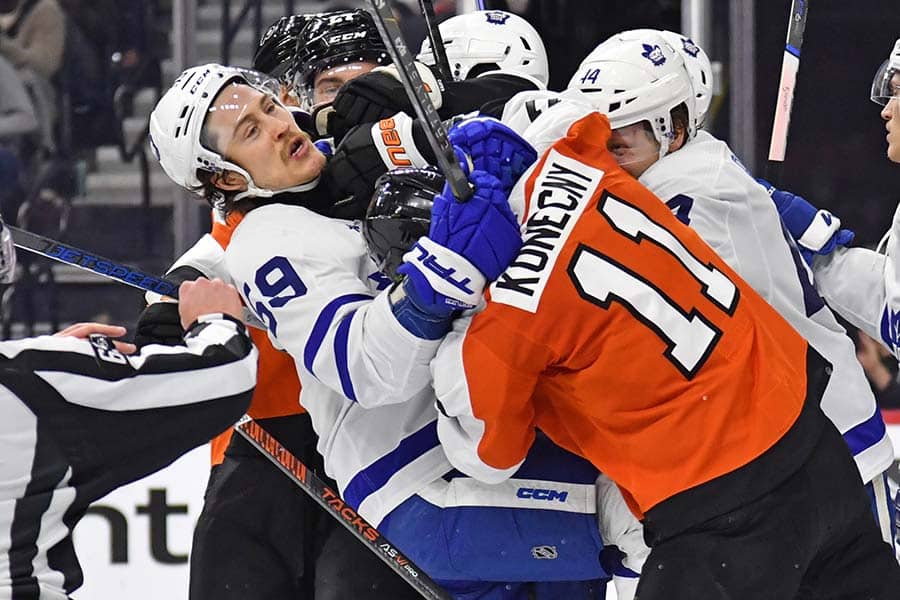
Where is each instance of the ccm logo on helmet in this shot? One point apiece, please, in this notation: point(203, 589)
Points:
point(539, 494)
point(393, 144)
point(347, 37)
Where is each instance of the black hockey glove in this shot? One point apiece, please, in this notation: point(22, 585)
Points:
point(159, 323)
point(367, 152)
point(366, 99)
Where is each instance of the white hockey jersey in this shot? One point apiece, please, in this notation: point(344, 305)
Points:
point(863, 286)
point(706, 187)
point(366, 380)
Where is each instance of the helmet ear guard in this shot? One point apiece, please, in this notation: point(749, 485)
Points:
point(399, 214)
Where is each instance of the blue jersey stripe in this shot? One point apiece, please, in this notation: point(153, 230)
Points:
point(376, 475)
point(323, 323)
point(340, 355)
point(866, 434)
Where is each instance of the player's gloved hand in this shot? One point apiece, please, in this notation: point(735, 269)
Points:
point(816, 231)
point(375, 96)
point(159, 323)
point(369, 151)
point(484, 229)
point(493, 147)
point(440, 281)
point(625, 552)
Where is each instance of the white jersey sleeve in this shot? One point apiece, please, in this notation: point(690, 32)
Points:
point(707, 187)
point(207, 256)
point(852, 282)
point(310, 280)
point(864, 287)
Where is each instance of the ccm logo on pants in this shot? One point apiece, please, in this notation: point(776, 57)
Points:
point(539, 494)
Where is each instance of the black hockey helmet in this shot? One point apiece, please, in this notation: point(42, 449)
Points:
point(275, 52)
point(399, 214)
point(331, 39)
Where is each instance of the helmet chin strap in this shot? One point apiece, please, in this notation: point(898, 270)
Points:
point(254, 191)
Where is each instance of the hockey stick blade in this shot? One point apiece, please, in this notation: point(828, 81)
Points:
point(445, 73)
point(788, 81)
point(328, 499)
point(434, 129)
point(104, 267)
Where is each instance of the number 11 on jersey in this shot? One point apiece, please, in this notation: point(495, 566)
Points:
point(690, 337)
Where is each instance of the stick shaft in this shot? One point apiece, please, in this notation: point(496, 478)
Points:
point(788, 81)
point(328, 499)
point(445, 73)
point(434, 129)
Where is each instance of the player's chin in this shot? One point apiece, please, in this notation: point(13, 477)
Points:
point(893, 152)
point(309, 169)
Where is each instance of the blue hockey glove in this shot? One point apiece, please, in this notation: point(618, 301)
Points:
point(493, 147)
point(438, 280)
point(484, 229)
point(815, 231)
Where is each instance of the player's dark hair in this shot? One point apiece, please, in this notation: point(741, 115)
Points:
point(216, 197)
point(680, 120)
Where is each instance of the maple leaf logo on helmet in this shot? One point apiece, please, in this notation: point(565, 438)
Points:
point(654, 54)
point(690, 47)
point(497, 17)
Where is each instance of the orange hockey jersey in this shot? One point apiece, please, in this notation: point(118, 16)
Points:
point(619, 333)
point(277, 384)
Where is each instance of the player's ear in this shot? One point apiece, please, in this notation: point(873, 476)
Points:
point(229, 181)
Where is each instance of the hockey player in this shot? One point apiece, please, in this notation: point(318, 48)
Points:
point(652, 115)
point(621, 335)
point(308, 278)
point(257, 535)
point(886, 92)
point(332, 49)
point(291, 555)
point(82, 416)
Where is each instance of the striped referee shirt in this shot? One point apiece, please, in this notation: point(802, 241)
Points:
point(80, 419)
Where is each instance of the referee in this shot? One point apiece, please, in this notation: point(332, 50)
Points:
point(81, 417)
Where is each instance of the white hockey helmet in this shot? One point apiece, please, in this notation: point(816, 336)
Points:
point(699, 70)
point(635, 78)
point(491, 40)
point(883, 85)
point(177, 121)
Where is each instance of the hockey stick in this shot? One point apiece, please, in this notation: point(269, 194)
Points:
point(104, 267)
point(445, 74)
point(88, 261)
point(434, 129)
point(328, 499)
point(786, 86)
point(262, 440)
